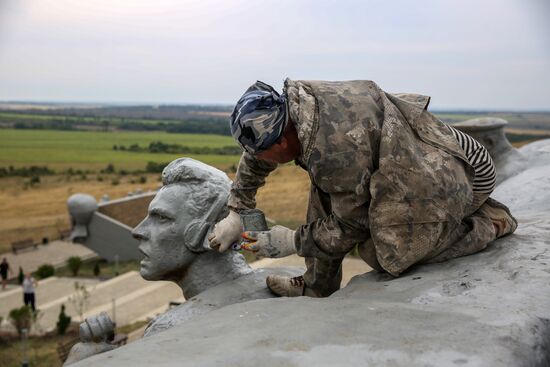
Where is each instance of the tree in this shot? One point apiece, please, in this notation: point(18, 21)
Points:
point(80, 299)
point(74, 264)
point(63, 321)
point(97, 269)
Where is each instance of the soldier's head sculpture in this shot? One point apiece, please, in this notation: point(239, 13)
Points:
point(173, 236)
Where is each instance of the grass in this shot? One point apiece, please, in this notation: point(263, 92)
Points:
point(127, 329)
point(41, 211)
point(106, 269)
point(42, 350)
point(18, 117)
point(87, 150)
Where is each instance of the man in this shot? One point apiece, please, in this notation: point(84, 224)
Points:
point(386, 176)
point(4, 269)
point(29, 285)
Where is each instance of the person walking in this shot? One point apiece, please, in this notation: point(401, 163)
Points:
point(29, 285)
point(4, 269)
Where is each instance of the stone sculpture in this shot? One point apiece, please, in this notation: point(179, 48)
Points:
point(487, 309)
point(173, 239)
point(489, 131)
point(81, 208)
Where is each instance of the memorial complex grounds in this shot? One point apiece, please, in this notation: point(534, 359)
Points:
point(41, 167)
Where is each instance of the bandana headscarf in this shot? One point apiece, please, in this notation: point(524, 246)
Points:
point(259, 118)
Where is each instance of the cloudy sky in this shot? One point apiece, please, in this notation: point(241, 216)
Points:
point(466, 54)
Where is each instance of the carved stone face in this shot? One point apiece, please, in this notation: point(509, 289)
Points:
point(162, 235)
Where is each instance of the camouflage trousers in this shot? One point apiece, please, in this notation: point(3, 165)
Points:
point(324, 269)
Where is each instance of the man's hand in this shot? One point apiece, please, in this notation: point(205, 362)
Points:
point(226, 232)
point(278, 242)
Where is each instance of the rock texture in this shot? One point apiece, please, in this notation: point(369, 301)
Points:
point(488, 309)
point(245, 288)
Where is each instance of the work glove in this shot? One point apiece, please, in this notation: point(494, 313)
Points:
point(226, 232)
point(277, 242)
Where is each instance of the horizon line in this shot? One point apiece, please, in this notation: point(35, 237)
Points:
point(221, 104)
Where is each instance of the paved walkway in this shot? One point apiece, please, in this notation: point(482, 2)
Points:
point(55, 253)
point(135, 298)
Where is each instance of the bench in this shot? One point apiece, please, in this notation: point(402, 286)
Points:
point(64, 234)
point(23, 244)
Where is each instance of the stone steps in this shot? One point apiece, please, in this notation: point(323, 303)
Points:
point(48, 290)
point(100, 294)
point(135, 298)
point(138, 305)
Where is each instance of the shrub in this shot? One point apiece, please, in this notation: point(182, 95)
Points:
point(63, 321)
point(97, 269)
point(115, 181)
point(34, 180)
point(74, 264)
point(21, 318)
point(45, 271)
point(100, 178)
point(154, 167)
point(110, 168)
point(142, 179)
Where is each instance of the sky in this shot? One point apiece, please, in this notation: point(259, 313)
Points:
point(466, 54)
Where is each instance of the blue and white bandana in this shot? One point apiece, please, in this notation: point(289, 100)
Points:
point(259, 118)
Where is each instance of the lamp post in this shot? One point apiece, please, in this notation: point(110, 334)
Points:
point(24, 337)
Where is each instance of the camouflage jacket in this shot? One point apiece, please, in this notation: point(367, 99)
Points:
point(387, 165)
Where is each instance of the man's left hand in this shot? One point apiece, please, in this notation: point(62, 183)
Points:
point(277, 242)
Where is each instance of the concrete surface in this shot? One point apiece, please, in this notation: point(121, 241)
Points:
point(110, 239)
point(487, 309)
point(135, 298)
point(47, 293)
point(55, 253)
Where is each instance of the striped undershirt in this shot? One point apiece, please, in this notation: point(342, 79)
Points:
point(479, 158)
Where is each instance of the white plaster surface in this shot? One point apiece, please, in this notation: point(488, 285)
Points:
point(488, 309)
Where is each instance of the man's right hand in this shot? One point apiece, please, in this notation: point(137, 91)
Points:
point(226, 232)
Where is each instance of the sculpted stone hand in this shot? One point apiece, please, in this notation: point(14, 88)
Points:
point(226, 232)
point(278, 242)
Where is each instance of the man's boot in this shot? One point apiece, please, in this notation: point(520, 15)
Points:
point(289, 287)
point(500, 215)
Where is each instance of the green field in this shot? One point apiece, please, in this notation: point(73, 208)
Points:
point(20, 117)
point(60, 150)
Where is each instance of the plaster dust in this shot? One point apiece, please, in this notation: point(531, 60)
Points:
point(487, 309)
